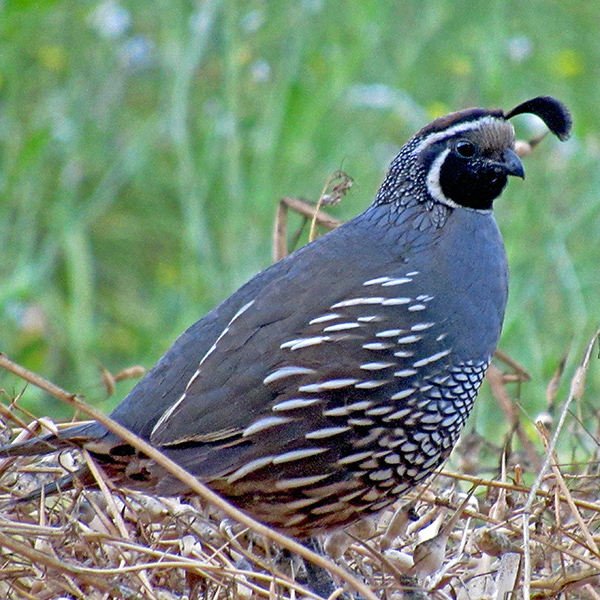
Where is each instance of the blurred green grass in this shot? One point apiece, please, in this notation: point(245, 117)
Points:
point(144, 145)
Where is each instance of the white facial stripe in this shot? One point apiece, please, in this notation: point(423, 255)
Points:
point(458, 128)
point(433, 180)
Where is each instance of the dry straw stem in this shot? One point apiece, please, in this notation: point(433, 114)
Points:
point(339, 189)
point(304, 208)
point(190, 481)
point(575, 393)
point(339, 182)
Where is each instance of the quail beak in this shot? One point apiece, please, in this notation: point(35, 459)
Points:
point(512, 164)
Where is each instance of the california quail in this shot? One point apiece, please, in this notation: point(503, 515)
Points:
point(341, 376)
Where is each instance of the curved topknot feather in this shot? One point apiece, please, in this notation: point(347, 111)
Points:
point(553, 112)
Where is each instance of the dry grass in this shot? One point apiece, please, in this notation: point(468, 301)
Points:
point(530, 531)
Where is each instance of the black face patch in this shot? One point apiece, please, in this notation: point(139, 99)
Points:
point(471, 182)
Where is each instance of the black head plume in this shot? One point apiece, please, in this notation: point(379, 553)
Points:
point(552, 111)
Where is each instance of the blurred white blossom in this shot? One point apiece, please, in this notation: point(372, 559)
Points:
point(201, 22)
point(260, 71)
point(110, 19)
point(519, 48)
point(137, 52)
point(252, 21)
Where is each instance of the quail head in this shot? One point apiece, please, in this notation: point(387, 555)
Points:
point(341, 376)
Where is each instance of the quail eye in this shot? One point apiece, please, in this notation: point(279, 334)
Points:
point(465, 149)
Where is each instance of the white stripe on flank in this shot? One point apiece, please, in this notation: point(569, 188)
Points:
point(341, 327)
point(294, 403)
point(400, 414)
point(324, 318)
point(352, 458)
point(265, 423)
point(376, 366)
point(305, 342)
point(405, 372)
point(389, 333)
point(297, 455)
point(396, 301)
point(409, 339)
point(286, 484)
point(398, 281)
point(377, 346)
point(377, 280)
point(369, 319)
point(371, 385)
point(343, 411)
point(401, 395)
point(430, 359)
point(332, 384)
point(250, 467)
point(326, 432)
point(357, 302)
point(421, 326)
point(286, 372)
point(378, 411)
point(415, 307)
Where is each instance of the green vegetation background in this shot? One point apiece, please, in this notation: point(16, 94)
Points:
point(144, 146)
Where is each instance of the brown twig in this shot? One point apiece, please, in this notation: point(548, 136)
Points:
point(304, 208)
